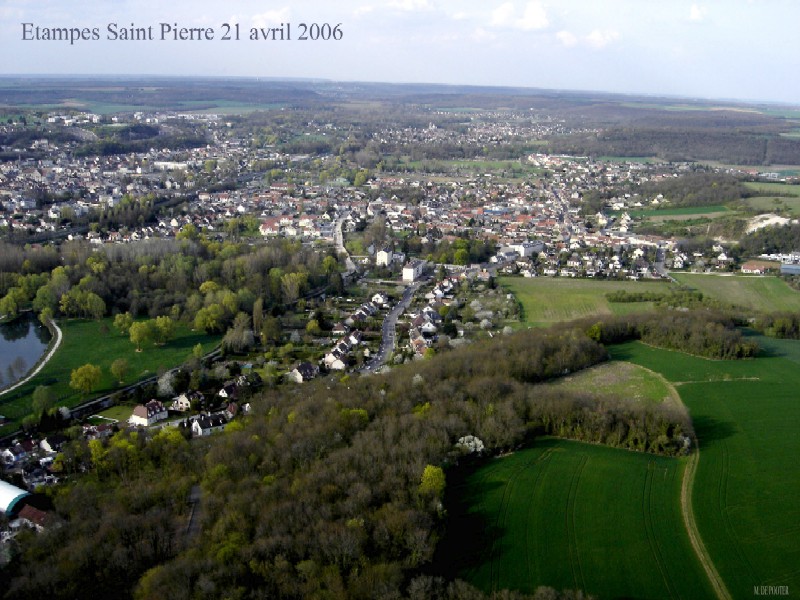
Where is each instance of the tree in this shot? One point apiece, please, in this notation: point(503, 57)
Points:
point(140, 332)
point(8, 306)
point(209, 318)
point(94, 305)
point(432, 482)
point(239, 337)
point(46, 316)
point(330, 265)
point(461, 257)
point(163, 329)
point(123, 322)
point(85, 378)
point(43, 399)
point(292, 285)
point(120, 368)
point(271, 331)
point(313, 328)
point(258, 315)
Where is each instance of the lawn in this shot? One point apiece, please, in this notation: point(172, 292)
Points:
point(766, 294)
point(98, 343)
point(118, 413)
point(746, 487)
point(573, 516)
point(547, 300)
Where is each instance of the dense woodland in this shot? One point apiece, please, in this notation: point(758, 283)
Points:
point(696, 144)
point(334, 488)
point(181, 278)
point(769, 240)
point(698, 189)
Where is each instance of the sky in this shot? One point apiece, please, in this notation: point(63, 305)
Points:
point(715, 49)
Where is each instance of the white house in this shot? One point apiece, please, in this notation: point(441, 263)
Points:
point(384, 257)
point(147, 414)
point(413, 270)
point(208, 424)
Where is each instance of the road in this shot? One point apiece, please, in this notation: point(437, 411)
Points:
point(659, 265)
point(338, 239)
point(388, 333)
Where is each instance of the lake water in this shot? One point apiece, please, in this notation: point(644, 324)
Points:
point(22, 343)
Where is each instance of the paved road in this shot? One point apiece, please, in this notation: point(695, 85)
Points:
point(660, 267)
point(338, 239)
point(388, 333)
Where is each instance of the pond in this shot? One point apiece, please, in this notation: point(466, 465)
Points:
point(22, 343)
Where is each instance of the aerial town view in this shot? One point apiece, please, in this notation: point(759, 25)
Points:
point(411, 300)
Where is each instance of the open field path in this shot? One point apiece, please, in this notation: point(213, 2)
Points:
point(686, 503)
point(691, 527)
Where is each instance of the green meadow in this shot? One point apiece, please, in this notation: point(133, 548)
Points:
point(616, 379)
point(766, 188)
point(549, 300)
point(692, 212)
point(98, 343)
point(766, 294)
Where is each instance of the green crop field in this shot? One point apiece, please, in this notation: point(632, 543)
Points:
point(757, 293)
point(98, 343)
point(747, 485)
point(573, 516)
point(548, 300)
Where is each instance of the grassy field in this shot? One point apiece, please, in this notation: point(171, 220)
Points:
point(98, 343)
point(757, 293)
point(548, 300)
point(676, 214)
point(628, 159)
point(573, 516)
point(766, 188)
point(788, 207)
point(746, 488)
point(619, 380)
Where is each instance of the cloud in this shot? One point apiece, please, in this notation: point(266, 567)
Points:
point(567, 38)
point(410, 5)
point(481, 35)
point(271, 17)
point(533, 17)
point(363, 10)
point(601, 39)
point(503, 15)
point(697, 13)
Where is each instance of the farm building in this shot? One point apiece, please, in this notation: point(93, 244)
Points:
point(10, 495)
